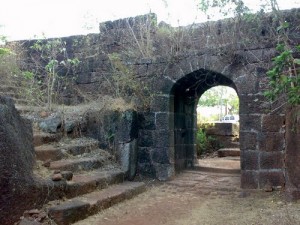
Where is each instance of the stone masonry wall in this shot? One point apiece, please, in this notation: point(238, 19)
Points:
point(292, 154)
point(178, 66)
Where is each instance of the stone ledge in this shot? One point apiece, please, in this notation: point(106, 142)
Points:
point(224, 152)
point(79, 208)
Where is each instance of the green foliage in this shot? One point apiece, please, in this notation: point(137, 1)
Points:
point(220, 95)
point(236, 7)
point(205, 143)
point(8, 67)
point(32, 88)
point(54, 61)
point(284, 75)
point(4, 51)
point(225, 7)
point(28, 75)
point(23, 81)
point(125, 83)
point(55, 53)
point(201, 142)
point(209, 98)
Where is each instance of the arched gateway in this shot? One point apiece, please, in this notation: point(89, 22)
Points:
point(186, 92)
point(214, 55)
point(168, 135)
point(178, 69)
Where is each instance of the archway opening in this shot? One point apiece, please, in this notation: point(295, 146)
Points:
point(187, 92)
point(217, 137)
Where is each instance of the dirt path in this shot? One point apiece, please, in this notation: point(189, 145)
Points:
point(200, 198)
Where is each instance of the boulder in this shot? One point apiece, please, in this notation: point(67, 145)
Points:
point(17, 159)
point(119, 130)
point(51, 124)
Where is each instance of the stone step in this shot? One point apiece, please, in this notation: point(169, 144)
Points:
point(216, 170)
point(91, 162)
point(20, 101)
point(88, 182)
point(80, 183)
point(234, 144)
point(225, 152)
point(78, 146)
point(11, 94)
point(228, 165)
point(24, 109)
point(48, 152)
point(8, 88)
point(80, 208)
point(65, 147)
point(40, 138)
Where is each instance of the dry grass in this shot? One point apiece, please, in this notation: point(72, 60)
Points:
point(41, 171)
point(105, 103)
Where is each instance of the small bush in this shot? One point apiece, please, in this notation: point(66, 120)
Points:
point(201, 141)
point(205, 144)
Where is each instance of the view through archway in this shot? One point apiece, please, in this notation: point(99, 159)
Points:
point(217, 136)
point(187, 92)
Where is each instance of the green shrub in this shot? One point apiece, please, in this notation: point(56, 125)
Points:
point(205, 144)
point(201, 141)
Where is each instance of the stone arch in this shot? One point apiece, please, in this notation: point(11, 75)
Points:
point(170, 124)
point(186, 93)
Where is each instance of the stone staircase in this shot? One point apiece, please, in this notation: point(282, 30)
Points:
point(232, 149)
point(87, 179)
point(14, 91)
point(226, 160)
point(226, 152)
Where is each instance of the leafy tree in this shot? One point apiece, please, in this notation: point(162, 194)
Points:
point(225, 7)
point(54, 60)
point(205, 143)
point(3, 50)
point(210, 98)
point(284, 75)
point(220, 96)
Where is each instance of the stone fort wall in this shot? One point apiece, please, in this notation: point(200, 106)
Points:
point(178, 65)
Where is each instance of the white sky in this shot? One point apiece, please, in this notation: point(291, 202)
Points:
point(25, 19)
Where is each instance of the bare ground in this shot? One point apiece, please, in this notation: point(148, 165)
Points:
point(201, 198)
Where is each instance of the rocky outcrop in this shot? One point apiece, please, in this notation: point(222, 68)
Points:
point(16, 163)
point(118, 131)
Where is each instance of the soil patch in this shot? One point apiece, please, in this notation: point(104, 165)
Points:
point(205, 198)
